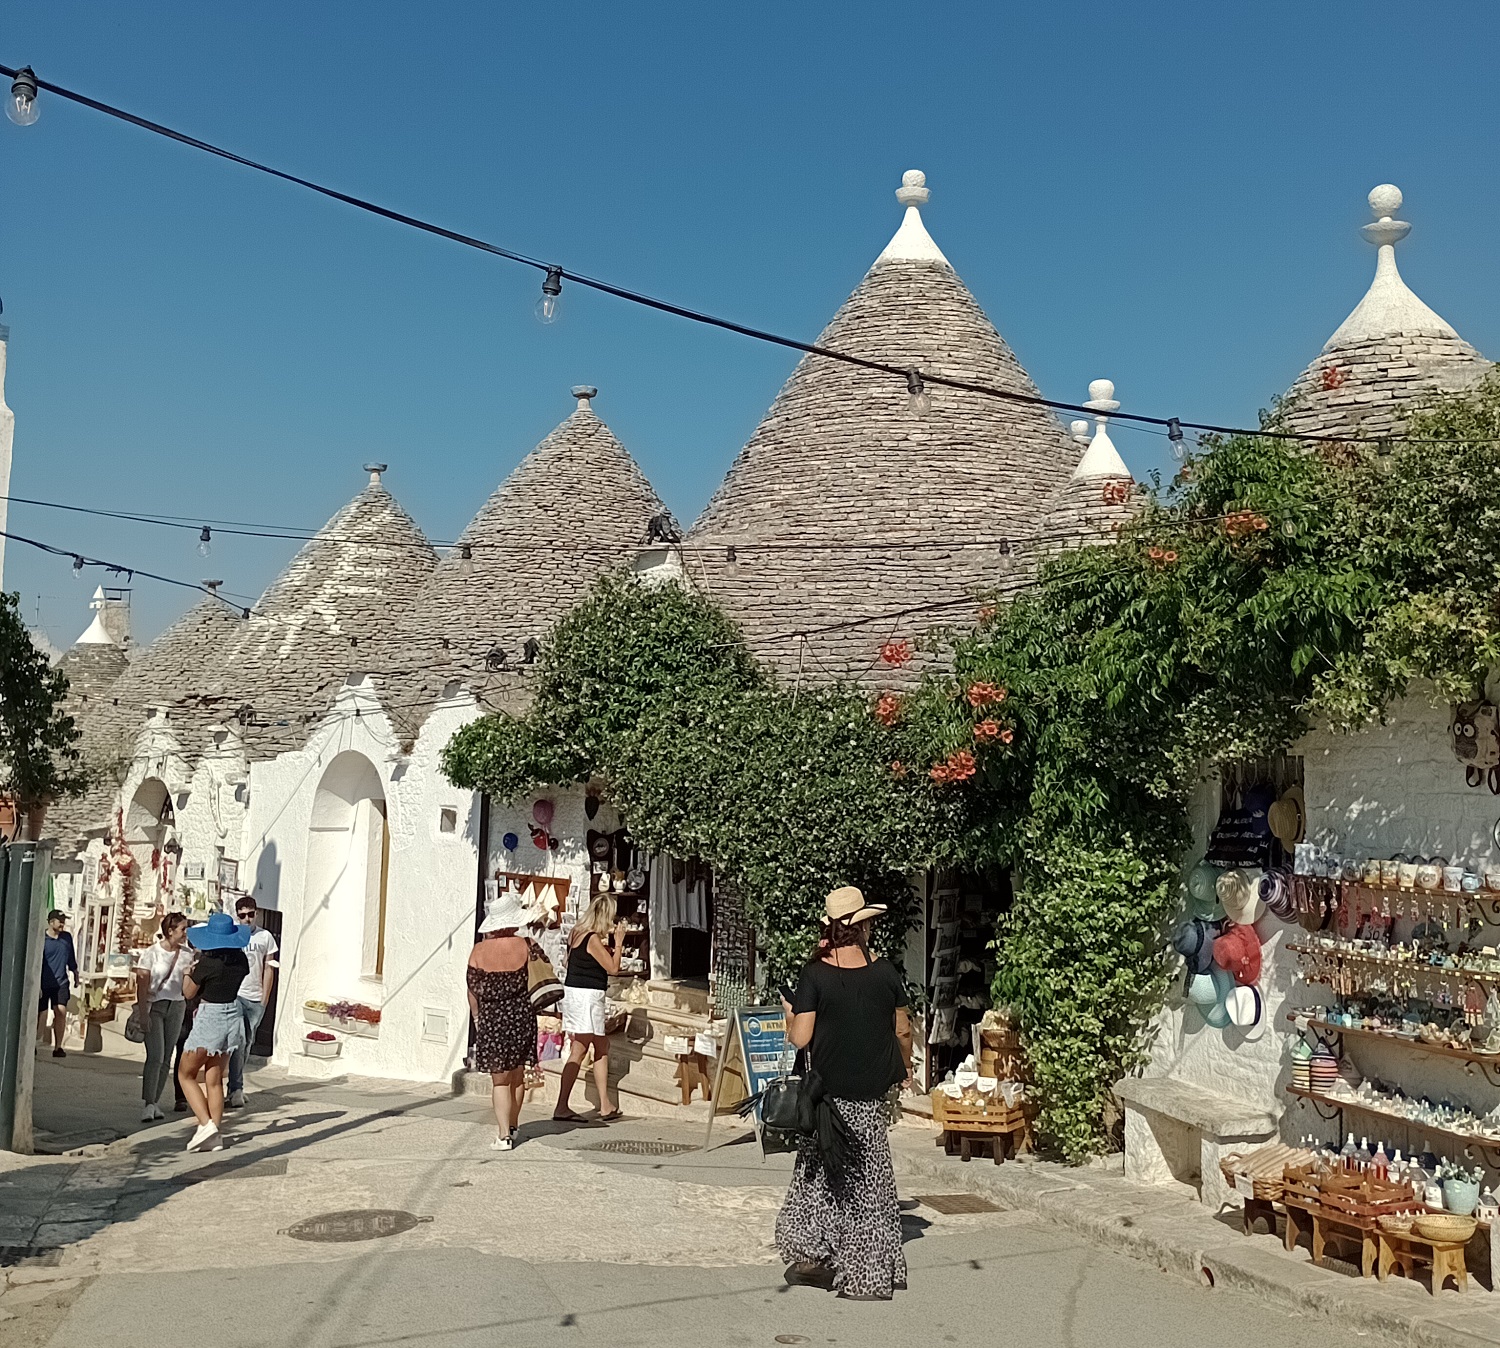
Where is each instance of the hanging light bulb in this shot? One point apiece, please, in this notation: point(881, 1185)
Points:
point(918, 400)
point(1174, 435)
point(78, 566)
point(205, 541)
point(21, 107)
point(546, 307)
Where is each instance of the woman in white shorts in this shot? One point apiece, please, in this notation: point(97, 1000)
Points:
point(590, 964)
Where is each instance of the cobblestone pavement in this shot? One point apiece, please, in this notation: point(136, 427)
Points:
point(555, 1243)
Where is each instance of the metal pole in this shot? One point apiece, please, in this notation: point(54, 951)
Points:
point(23, 904)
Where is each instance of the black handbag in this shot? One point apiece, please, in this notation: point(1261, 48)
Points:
point(781, 1105)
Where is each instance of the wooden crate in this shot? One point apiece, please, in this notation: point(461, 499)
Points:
point(954, 1114)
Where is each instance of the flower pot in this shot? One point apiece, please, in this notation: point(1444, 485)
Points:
point(1460, 1196)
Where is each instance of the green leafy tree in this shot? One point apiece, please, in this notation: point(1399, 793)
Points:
point(38, 755)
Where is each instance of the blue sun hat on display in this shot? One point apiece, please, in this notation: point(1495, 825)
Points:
point(1194, 941)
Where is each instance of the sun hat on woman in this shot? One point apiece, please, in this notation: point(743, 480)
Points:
point(220, 932)
point(847, 904)
point(505, 911)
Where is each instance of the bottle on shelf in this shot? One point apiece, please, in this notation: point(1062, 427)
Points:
point(1347, 1154)
point(1380, 1163)
point(1362, 1156)
point(1397, 1169)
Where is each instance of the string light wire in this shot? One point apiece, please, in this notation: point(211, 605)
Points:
point(905, 373)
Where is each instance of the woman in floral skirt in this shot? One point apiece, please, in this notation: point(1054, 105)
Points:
point(840, 1226)
point(500, 1002)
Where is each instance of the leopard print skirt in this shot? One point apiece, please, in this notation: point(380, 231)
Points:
point(855, 1227)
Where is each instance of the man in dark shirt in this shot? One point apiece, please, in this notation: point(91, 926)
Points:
point(58, 962)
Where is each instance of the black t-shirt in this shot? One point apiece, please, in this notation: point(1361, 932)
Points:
point(854, 1046)
point(219, 973)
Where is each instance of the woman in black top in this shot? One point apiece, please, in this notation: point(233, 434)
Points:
point(841, 1228)
point(591, 963)
point(218, 1028)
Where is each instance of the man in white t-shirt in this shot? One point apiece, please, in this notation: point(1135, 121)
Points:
point(255, 992)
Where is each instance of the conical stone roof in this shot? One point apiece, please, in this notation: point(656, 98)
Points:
point(177, 671)
point(846, 506)
point(1100, 495)
point(576, 506)
point(1391, 350)
point(333, 611)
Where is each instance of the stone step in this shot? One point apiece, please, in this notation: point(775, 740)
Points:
point(672, 994)
point(656, 1022)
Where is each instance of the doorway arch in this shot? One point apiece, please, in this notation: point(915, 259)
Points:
point(348, 865)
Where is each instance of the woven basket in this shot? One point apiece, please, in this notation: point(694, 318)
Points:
point(1444, 1226)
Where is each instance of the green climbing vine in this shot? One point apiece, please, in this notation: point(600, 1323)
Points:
point(1262, 589)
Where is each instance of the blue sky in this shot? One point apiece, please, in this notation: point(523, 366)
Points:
point(1164, 194)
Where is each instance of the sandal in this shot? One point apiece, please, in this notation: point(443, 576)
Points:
point(614, 1116)
point(569, 1117)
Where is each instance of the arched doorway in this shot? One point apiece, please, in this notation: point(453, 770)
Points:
point(348, 862)
point(148, 825)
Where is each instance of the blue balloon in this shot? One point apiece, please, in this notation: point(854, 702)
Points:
point(510, 842)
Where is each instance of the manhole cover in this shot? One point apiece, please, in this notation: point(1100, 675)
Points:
point(635, 1147)
point(955, 1205)
point(357, 1224)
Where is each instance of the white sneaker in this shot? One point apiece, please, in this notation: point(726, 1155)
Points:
point(503, 1144)
point(202, 1136)
point(150, 1113)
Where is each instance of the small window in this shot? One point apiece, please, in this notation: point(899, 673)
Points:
point(434, 1025)
point(447, 820)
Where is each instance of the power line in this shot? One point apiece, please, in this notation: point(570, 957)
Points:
point(80, 561)
point(911, 375)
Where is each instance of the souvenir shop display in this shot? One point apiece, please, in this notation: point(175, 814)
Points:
point(961, 912)
point(969, 1107)
point(1398, 945)
point(619, 868)
point(1404, 1215)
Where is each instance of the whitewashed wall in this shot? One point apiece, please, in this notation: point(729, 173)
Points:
point(1386, 789)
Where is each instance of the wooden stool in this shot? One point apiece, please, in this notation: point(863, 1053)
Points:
point(1323, 1225)
point(1259, 1209)
point(1405, 1252)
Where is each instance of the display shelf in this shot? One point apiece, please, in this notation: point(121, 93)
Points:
point(1386, 962)
point(1488, 1060)
point(1488, 1144)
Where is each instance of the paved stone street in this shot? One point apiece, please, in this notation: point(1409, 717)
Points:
point(558, 1242)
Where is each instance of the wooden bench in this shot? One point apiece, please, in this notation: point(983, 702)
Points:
point(1320, 1224)
point(1405, 1251)
point(1176, 1132)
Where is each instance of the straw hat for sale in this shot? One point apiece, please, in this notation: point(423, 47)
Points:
point(1239, 892)
point(1288, 817)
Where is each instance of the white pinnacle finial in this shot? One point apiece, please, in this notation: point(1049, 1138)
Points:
point(1079, 430)
point(375, 470)
point(97, 634)
point(913, 190)
point(585, 393)
point(1389, 306)
point(1101, 458)
point(912, 241)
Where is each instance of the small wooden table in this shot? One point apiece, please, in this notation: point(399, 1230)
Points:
point(1320, 1223)
point(1405, 1251)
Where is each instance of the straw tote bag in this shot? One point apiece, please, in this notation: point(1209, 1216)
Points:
point(542, 984)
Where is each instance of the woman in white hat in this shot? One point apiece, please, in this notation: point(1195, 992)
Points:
point(500, 1003)
point(840, 1226)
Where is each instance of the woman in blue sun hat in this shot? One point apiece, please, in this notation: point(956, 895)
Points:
point(218, 1028)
